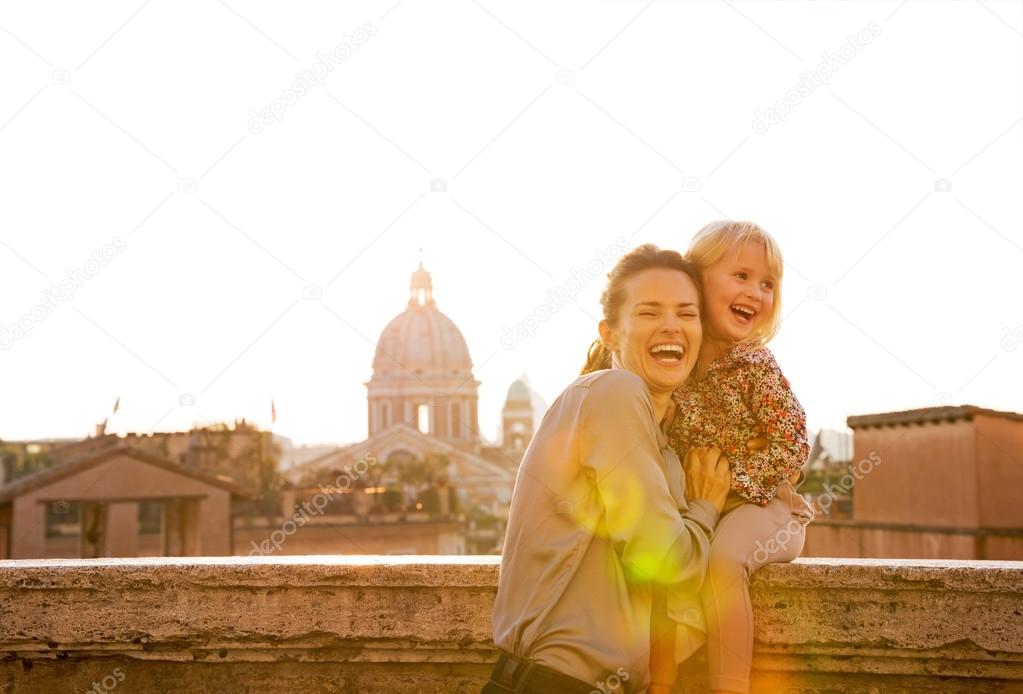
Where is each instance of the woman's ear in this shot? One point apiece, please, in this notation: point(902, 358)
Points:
point(607, 336)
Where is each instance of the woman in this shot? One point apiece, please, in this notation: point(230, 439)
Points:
point(596, 518)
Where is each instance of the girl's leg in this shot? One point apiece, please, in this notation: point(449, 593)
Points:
point(746, 538)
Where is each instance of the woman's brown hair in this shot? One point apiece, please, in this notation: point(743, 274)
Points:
point(645, 257)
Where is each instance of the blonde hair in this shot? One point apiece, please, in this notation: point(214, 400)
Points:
point(711, 243)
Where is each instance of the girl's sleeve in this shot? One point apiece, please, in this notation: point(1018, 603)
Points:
point(774, 406)
point(674, 435)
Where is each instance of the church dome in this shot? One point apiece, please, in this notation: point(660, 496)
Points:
point(421, 341)
point(518, 394)
point(521, 396)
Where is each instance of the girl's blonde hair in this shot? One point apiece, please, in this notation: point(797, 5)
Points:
point(711, 243)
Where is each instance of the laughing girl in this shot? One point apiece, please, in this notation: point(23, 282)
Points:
point(737, 395)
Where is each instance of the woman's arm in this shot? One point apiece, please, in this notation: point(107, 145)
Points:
point(618, 446)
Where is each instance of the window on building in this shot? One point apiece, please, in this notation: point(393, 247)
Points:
point(150, 517)
point(424, 418)
point(62, 519)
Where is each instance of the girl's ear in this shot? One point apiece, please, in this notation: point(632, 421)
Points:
point(608, 336)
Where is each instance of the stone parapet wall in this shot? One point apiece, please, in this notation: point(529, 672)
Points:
point(422, 624)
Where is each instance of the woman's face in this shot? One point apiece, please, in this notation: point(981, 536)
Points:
point(658, 332)
point(738, 293)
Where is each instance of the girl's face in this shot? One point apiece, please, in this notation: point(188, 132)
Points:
point(738, 293)
point(658, 333)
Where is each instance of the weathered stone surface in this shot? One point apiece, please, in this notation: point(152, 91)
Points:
point(422, 624)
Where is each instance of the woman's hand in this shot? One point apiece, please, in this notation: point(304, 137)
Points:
point(707, 476)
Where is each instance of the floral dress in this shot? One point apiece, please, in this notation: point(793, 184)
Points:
point(742, 396)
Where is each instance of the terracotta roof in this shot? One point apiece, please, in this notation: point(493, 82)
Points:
point(948, 413)
point(67, 468)
point(82, 447)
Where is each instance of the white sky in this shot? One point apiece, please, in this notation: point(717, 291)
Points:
point(921, 288)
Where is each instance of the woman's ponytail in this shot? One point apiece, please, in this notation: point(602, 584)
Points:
point(597, 358)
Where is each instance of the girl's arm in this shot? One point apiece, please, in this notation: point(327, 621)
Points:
point(759, 443)
point(783, 423)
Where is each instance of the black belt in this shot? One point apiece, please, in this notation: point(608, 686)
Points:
point(515, 674)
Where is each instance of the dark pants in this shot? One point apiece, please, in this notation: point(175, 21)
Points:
point(534, 688)
point(513, 675)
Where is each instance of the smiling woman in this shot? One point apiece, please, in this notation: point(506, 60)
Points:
point(664, 338)
point(656, 339)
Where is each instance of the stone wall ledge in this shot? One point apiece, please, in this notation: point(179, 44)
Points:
point(422, 624)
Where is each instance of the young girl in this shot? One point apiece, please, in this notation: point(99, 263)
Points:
point(738, 400)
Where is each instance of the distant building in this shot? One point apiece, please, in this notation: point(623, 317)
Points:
point(422, 405)
point(434, 486)
point(520, 416)
point(20, 458)
point(831, 454)
point(939, 482)
point(291, 455)
point(517, 418)
point(239, 451)
point(422, 372)
point(422, 399)
point(118, 502)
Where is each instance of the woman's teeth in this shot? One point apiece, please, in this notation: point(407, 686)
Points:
point(668, 354)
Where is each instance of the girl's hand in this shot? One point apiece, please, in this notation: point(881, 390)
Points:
point(758, 443)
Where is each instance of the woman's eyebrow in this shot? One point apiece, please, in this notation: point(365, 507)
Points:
point(658, 304)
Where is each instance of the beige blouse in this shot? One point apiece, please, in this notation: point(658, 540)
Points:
point(597, 516)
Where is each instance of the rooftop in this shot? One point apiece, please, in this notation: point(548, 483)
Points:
point(925, 415)
point(73, 466)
